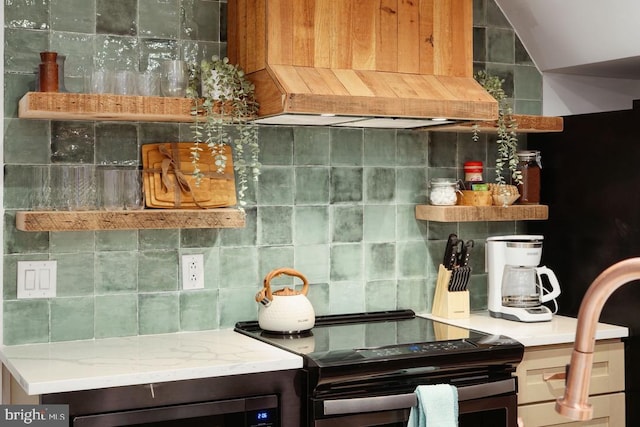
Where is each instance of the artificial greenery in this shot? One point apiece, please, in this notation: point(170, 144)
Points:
point(507, 127)
point(224, 101)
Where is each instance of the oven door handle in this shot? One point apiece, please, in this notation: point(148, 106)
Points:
point(407, 400)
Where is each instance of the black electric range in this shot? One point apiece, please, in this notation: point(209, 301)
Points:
point(363, 355)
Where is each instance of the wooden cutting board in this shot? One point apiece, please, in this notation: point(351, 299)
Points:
point(163, 189)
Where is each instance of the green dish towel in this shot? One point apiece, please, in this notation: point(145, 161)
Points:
point(437, 406)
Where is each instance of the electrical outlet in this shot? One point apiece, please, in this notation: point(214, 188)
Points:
point(193, 271)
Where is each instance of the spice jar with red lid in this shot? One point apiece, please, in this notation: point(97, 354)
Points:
point(472, 174)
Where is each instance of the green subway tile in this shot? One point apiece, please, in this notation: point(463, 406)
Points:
point(412, 148)
point(528, 107)
point(380, 261)
point(275, 225)
point(479, 44)
point(72, 319)
point(78, 49)
point(275, 186)
point(478, 292)
point(494, 15)
point(15, 86)
point(441, 230)
point(380, 185)
point(27, 14)
point(72, 142)
point(116, 144)
point(237, 304)
point(201, 19)
point(311, 146)
point(26, 321)
point(521, 55)
point(313, 262)
point(158, 239)
point(412, 259)
point(16, 241)
point(77, 16)
point(347, 223)
point(415, 294)
point(116, 272)
point(408, 227)
point(346, 262)
point(158, 313)
point(311, 185)
point(246, 236)
point(153, 52)
point(116, 315)
point(239, 267)
point(381, 295)
point(198, 310)
point(199, 238)
point(75, 273)
point(318, 294)
point(26, 141)
point(161, 19)
point(151, 133)
point(273, 257)
point(116, 240)
point(346, 147)
point(72, 242)
point(379, 147)
point(311, 225)
point(347, 297)
point(276, 145)
point(117, 17)
point(117, 52)
point(501, 45)
point(479, 12)
point(468, 149)
point(528, 82)
point(443, 149)
point(22, 49)
point(346, 184)
point(17, 182)
point(379, 223)
point(157, 271)
point(411, 185)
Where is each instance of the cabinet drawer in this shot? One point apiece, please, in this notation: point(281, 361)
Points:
point(541, 362)
point(608, 411)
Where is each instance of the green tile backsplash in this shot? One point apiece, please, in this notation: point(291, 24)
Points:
point(336, 204)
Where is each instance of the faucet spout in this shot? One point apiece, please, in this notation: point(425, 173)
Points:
point(574, 403)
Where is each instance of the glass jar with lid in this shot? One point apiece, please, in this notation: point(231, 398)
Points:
point(530, 166)
point(443, 191)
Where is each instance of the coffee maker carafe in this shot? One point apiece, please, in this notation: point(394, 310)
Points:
point(515, 288)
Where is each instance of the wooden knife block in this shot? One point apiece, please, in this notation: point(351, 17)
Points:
point(447, 304)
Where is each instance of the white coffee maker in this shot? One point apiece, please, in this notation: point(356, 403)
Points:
point(515, 286)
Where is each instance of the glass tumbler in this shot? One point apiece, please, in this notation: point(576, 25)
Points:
point(174, 78)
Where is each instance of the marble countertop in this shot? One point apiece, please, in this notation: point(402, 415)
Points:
point(560, 330)
point(111, 362)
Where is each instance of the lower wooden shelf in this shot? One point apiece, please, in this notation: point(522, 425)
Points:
point(481, 213)
point(129, 220)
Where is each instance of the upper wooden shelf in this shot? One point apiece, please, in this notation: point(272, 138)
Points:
point(84, 106)
point(526, 124)
point(481, 213)
point(129, 220)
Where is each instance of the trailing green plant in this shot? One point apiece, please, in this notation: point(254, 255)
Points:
point(507, 130)
point(224, 103)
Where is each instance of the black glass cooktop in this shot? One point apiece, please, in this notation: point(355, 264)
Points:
point(393, 335)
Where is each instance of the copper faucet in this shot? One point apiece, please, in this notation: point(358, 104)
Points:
point(574, 402)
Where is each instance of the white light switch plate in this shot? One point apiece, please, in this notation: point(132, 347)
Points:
point(36, 279)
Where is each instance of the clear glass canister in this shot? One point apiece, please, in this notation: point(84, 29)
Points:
point(443, 191)
point(530, 166)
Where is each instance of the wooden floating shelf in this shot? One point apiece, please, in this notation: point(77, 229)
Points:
point(84, 106)
point(481, 213)
point(526, 124)
point(129, 220)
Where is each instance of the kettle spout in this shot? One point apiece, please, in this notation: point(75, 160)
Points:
point(574, 403)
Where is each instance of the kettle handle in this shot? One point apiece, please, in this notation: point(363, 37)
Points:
point(278, 272)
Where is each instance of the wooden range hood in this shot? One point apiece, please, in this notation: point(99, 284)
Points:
point(362, 63)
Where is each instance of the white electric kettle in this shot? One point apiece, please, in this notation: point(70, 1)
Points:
point(285, 311)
